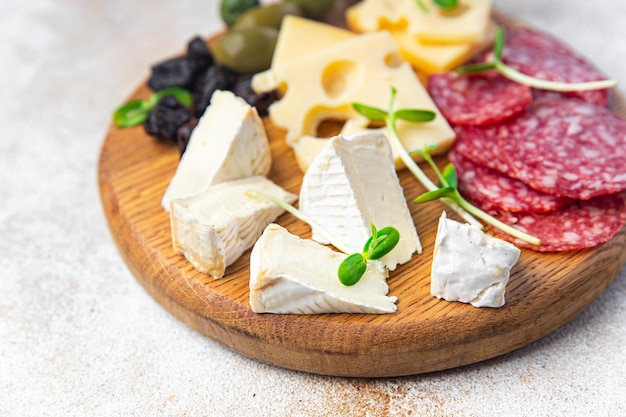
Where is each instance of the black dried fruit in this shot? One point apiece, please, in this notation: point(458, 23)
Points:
point(199, 55)
point(184, 133)
point(175, 72)
point(165, 119)
point(217, 77)
point(243, 89)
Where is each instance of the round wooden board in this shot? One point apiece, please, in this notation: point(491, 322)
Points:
point(424, 335)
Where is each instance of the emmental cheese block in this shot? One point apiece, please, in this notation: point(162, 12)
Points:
point(360, 69)
point(466, 23)
point(431, 58)
point(298, 38)
point(469, 265)
point(214, 228)
point(352, 184)
point(228, 143)
point(290, 275)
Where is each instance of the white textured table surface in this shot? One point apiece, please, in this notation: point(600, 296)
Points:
point(79, 336)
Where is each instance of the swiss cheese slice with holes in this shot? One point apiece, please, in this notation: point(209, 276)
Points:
point(362, 69)
point(466, 23)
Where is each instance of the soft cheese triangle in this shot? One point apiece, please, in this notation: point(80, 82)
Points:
point(469, 265)
point(214, 228)
point(351, 184)
point(289, 275)
point(363, 69)
point(228, 143)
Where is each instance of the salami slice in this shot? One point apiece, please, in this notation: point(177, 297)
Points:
point(495, 191)
point(579, 225)
point(543, 56)
point(567, 147)
point(477, 99)
point(481, 146)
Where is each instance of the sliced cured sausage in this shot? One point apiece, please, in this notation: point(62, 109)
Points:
point(579, 225)
point(567, 147)
point(477, 99)
point(541, 55)
point(481, 146)
point(495, 191)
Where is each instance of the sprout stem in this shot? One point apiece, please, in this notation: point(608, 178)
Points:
point(300, 215)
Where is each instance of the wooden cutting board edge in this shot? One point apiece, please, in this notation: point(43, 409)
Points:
point(341, 345)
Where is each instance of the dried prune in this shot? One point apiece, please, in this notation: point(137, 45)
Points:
point(184, 134)
point(243, 89)
point(199, 55)
point(165, 119)
point(217, 77)
point(175, 72)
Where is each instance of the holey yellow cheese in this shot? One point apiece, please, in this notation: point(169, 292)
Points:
point(466, 23)
point(360, 69)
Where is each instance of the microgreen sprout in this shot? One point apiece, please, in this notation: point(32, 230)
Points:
point(136, 111)
point(412, 115)
point(447, 189)
point(350, 271)
point(514, 75)
point(443, 4)
point(380, 243)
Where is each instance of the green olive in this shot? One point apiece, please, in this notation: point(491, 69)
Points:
point(247, 50)
point(232, 9)
point(314, 9)
point(270, 15)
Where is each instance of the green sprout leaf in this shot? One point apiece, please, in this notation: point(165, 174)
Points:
point(372, 113)
point(449, 173)
point(514, 75)
point(446, 4)
point(352, 269)
point(132, 113)
point(136, 112)
point(381, 243)
point(416, 116)
point(446, 192)
point(442, 4)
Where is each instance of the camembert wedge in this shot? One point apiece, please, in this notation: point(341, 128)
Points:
point(290, 275)
point(214, 228)
point(351, 184)
point(228, 143)
point(469, 265)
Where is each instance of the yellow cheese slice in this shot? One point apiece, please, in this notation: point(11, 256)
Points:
point(431, 58)
point(466, 23)
point(360, 69)
point(298, 38)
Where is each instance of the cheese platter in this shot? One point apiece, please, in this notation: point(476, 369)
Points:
point(425, 334)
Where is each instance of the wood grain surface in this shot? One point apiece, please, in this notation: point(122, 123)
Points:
point(424, 335)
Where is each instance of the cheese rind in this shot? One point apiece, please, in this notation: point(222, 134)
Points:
point(214, 228)
point(352, 184)
point(289, 275)
point(469, 265)
point(228, 143)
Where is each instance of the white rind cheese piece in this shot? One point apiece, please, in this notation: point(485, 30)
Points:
point(214, 228)
point(352, 184)
point(228, 143)
point(289, 275)
point(469, 265)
